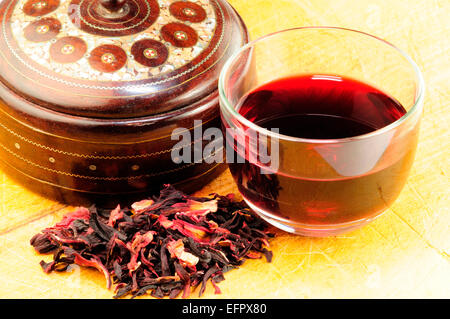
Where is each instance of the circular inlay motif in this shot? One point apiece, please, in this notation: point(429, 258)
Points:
point(42, 30)
point(150, 52)
point(91, 17)
point(179, 35)
point(37, 8)
point(107, 58)
point(40, 4)
point(188, 11)
point(68, 50)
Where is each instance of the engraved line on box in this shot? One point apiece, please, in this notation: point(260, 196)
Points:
point(96, 177)
point(102, 157)
point(90, 192)
point(112, 29)
point(94, 142)
point(111, 22)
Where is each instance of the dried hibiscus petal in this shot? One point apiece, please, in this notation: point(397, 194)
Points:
point(165, 246)
point(116, 215)
point(176, 249)
point(142, 206)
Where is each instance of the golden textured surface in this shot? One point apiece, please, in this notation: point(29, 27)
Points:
point(404, 253)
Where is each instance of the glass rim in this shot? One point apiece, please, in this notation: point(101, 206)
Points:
point(227, 105)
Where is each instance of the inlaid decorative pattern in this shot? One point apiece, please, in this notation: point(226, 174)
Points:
point(37, 8)
point(42, 30)
point(179, 35)
point(179, 32)
point(107, 58)
point(150, 52)
point(136, 16)
point(188, 11)
point(68, 50)
point(91, 168)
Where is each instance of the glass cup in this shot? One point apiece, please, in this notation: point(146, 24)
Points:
point(320, 187)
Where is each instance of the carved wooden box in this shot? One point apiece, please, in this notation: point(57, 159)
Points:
point(91, 91)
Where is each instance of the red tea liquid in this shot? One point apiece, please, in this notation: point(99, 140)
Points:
point(348, 185)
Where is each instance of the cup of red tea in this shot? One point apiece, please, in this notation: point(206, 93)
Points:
point(321, 126)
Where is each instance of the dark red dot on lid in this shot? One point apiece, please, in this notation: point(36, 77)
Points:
point(108, 58)
point(42, 30)
point(150, 52)
point(37, 8)
point(179, 35)
point(188, 11)
point(68, 50)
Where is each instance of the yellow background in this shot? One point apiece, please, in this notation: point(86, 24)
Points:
point(405, 253)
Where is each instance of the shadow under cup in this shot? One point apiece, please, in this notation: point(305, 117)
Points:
point(320, 187)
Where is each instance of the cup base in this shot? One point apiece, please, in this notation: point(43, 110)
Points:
point(309, 230)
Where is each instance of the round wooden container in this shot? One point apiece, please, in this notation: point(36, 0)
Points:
point(91, 91)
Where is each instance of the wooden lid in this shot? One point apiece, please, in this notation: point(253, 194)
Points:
point(116, 58)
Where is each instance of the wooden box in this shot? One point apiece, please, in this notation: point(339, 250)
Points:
point(91, 91)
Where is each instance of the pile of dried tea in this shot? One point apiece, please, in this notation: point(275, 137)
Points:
point(165, 245)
